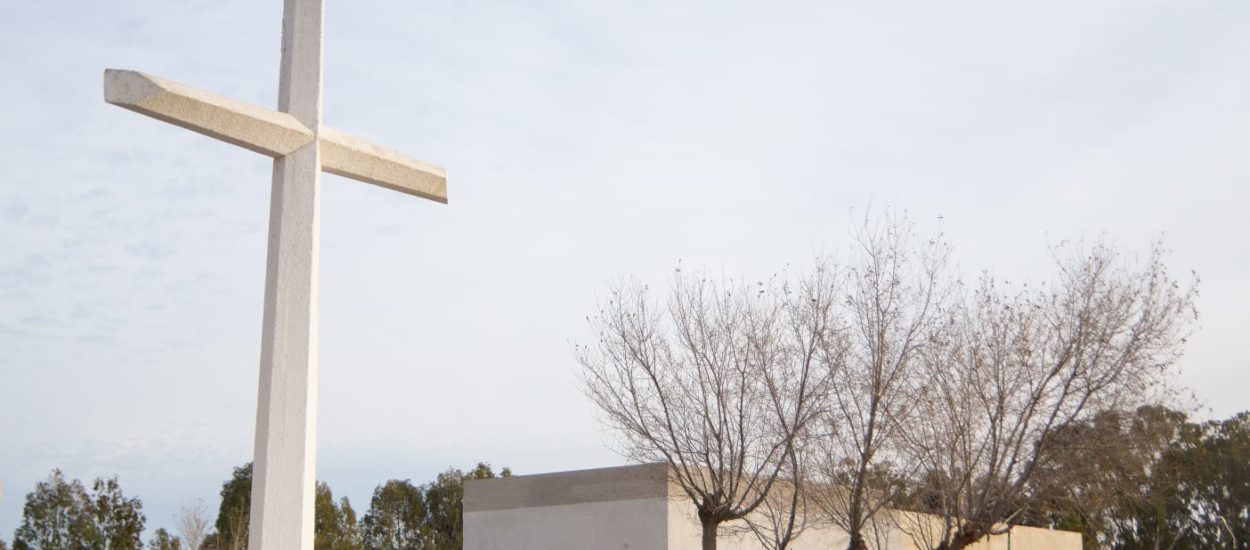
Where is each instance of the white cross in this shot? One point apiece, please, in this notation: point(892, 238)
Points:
point(286, 414)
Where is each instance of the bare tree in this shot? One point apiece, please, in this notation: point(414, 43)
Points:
point(717, 386)
point(1016, 366)
point(193, 524)
point(785, 513)
point(896, 291)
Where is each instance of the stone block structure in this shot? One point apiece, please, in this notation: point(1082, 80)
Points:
point(637, 508)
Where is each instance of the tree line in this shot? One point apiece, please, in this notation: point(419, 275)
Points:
point(1149, 479)
point(63, 514)
point(879, 383)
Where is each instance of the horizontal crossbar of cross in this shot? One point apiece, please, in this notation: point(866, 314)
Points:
point(271, 133)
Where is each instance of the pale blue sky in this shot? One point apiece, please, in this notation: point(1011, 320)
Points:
point(585, 141)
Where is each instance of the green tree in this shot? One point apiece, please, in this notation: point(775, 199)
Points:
point(234, 512)
point(427, 517)
point(162, 540)
point(61, 514)
point(1106, 477)
point(396, 517)
point(1149, 479)
point(444, 501)
point(118, 519)
point(1216, 486)
point(55, 515)
point(335, 525)
point(210, 542)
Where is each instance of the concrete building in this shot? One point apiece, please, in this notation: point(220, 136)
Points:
point(636, 508)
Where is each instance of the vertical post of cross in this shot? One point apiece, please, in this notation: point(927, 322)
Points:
point(284, 469)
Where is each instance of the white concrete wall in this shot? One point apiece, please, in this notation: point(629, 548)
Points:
point(638, 524)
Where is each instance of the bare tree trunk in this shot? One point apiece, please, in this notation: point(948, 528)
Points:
point(856, 542)
point(238, 540)
point(783, 517)
point(966, 536)
point(709, 531)
point(720, 385)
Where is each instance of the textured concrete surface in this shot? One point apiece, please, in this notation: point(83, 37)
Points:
point(272, 133)
point(284, 472)
point(351, 157)
point(637, 524)
point(262, 130)
point(285, 466)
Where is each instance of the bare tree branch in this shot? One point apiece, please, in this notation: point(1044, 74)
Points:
point(719, 386)
point(1015, 366)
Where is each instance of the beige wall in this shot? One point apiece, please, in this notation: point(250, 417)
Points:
point(635, 508)
point(921, 528)
point(684, 533)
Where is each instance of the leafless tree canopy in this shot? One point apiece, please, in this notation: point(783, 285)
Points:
point(1015, 365)
point(718, 384)
point(896, 292)
point(193, 524)
point(879, 380)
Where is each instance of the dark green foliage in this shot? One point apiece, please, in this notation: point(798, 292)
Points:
point(119, 519)
point(61, 514)
point(335, 525)
point(55, 515)
point(1149, 479)
point(210, 542)
point(1105, 477)
point(234, 512)
point(444, 504)
point(162, 540)
point(396, 516)
point(428, 517)
point(1214, 462)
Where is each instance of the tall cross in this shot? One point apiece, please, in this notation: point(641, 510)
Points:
point(284, 474)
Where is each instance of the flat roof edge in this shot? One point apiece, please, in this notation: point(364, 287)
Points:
point(573, 487)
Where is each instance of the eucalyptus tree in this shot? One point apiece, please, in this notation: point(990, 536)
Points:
point(396, 517)
point(162, 540)
point(62, 513)
point(234, 511)
point(421, 517)
point(335, 524)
